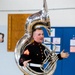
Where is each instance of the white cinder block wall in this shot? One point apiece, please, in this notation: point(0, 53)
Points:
point(61, 12)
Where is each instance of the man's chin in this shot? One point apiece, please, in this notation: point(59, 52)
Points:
point(40, 41)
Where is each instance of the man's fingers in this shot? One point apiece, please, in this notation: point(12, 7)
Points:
point(28, 61)
point(62, 51)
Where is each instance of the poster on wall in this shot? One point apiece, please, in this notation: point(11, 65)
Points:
point(48, 46)
point(52, 32)
point(72, 45)
point(72, 48)
point(56, 48)
point(47, 40)
point(56, 40)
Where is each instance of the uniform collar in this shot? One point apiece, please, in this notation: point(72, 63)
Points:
point(36, 43)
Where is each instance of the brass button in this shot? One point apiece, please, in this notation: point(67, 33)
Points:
point(42, 53)
point(42, 56)
point(39, 44)
point(41, 49)
point(42, 59)
point(33, 43)
point(37, 54)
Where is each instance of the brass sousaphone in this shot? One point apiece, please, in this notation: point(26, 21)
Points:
point(39, 19)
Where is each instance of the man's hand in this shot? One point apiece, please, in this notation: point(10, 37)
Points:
point(64, 54)
point(25, 63)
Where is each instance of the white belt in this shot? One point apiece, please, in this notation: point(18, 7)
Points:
point(34, 65)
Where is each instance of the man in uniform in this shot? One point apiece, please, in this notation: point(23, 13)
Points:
point(34, 52)
point(1, 37)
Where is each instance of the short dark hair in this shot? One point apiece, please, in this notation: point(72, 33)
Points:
point(37, 28)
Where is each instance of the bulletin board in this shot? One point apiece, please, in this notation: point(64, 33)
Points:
point(68, 67)
point(55, 37)
point(64, 38)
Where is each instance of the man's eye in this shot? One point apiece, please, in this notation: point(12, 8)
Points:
point(39, 34)
point(42, 34)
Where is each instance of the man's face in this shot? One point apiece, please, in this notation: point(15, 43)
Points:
point(38, 36)
point(1, 39)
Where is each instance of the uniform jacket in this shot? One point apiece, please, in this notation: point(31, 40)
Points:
point(35, 52)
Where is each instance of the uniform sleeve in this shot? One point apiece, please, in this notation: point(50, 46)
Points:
point(21, 60)
point(59, 56)
point(25, 56)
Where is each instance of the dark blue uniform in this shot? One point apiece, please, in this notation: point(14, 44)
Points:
point(35, 53)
